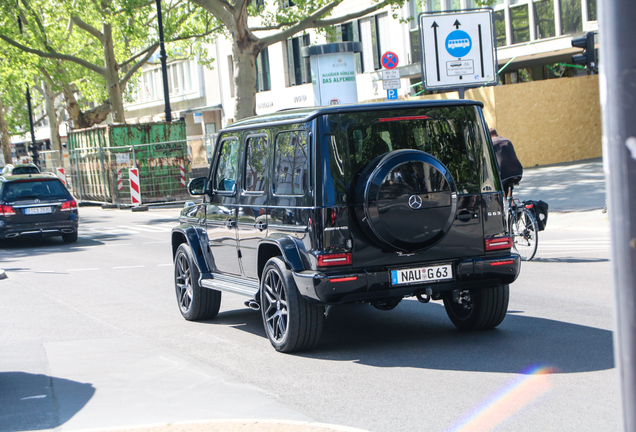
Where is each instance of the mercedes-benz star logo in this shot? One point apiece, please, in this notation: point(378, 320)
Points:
point(415, 202)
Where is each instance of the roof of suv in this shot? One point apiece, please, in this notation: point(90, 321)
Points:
point(22, 177)
point(301, 115)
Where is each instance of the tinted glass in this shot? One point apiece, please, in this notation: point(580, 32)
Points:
point(440, 132)
point(256, 164)
point(544, 18)
point(45, 189)
point(25, 170)
point(291, 165)
point(571, 19)
point(227, 168)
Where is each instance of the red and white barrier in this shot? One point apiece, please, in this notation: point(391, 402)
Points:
point(120, 180)
point(182, 169)
point(59, 172)
point(135, 190)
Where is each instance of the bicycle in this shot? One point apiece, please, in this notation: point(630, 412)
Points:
point(523, 229)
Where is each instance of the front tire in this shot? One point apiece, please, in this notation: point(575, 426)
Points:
point(478, 309)
point(291, 322)
point(195, 302)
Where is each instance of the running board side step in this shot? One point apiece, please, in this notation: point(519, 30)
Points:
point(231, 284)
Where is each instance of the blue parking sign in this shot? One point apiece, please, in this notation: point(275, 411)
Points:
point(391, 94)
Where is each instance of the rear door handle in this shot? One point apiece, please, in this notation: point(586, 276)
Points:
point(465, 216)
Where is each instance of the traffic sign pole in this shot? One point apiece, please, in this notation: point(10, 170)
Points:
point(618, 103)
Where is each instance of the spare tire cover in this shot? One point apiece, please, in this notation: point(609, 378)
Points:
point(406, 200)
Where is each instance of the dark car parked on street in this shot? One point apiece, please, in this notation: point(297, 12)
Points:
point(370, 203)
point(37, 205)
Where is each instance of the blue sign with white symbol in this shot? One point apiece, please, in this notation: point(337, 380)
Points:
point(458, 43)
point(391, 94)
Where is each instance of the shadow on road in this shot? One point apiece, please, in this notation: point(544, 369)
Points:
point(35, 402)
point(422, 336)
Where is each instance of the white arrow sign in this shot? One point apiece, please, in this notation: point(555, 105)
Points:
point(458, 49)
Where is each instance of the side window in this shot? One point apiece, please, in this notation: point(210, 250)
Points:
point(256, 164)
point(227, 168)
point(291, 164)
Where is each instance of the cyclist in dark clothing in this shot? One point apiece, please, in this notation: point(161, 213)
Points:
point(510, 168)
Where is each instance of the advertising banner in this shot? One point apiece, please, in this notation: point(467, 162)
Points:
point(334, 78)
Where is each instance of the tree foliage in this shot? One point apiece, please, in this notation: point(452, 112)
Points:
point(252, 26)
point(93, 48)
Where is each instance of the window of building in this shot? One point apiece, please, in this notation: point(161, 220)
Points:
point(571, 19)
point(500, 27)
point(150, 86)
point(455, 5)
point(291, 167)
point(416, 55)
point(591, 10)
point(287, 4)
point(544, 19)
point(263, 81)
point(256, 164)
point(520, 24)
point(298, 67)
point(350, 32)
point(230, 72)
point(374, 35)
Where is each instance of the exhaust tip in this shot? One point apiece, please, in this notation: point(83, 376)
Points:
point(253, 304)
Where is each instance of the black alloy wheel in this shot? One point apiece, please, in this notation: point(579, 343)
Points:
point(195, 302)
point(477, 309)
point(291, 322)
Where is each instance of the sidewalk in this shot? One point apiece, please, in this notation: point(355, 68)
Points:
point(566, 187)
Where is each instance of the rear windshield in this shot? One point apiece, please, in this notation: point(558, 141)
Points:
point(454, 135)
point(31, 189)
point(25, 170)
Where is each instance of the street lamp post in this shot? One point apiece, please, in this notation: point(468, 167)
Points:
point(164, 67)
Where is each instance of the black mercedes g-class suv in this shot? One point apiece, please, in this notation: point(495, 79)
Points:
point(366, 203)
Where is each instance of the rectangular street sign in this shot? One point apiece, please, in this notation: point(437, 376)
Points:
point(391, 84)
point(392, 94)
point(458, 49)
point(388, 74)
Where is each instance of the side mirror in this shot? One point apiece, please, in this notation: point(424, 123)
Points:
point(198, 186)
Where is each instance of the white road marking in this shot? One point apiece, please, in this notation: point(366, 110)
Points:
point(128, 267)
point(84, 269)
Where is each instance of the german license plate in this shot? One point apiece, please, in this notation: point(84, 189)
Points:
point(37, 210)
point(421, 275)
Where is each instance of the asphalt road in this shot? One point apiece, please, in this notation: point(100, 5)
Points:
point(91, 337)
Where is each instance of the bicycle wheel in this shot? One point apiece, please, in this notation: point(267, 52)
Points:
point(524, 231)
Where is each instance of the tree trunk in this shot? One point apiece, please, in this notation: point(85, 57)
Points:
point(54, 126)
point(244, 79)
point(83, 120)
point(5, 140)
point(112, 76)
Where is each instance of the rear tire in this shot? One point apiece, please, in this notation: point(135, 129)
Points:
point(70, 238)
point(291, 322)
point(195, 302)
point(525, 237)
point(484, 308)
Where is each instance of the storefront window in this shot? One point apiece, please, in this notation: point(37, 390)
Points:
point(544, 18)
point(591, 10)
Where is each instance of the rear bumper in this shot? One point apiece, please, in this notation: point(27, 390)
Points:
point(349, 287)
point(42, 229)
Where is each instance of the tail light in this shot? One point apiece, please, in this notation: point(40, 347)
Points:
point(69, 205)
point(337, 259)
point(6, 210)
point(498, 243)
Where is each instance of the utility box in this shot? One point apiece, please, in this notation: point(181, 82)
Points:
point(101, 155)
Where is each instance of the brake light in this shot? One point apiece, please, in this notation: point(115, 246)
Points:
point(69, 205)
point(338, 259)
point(344, 279)
point(498, 263)
point(6, 210)
point(403, 118)
point(498, 243)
